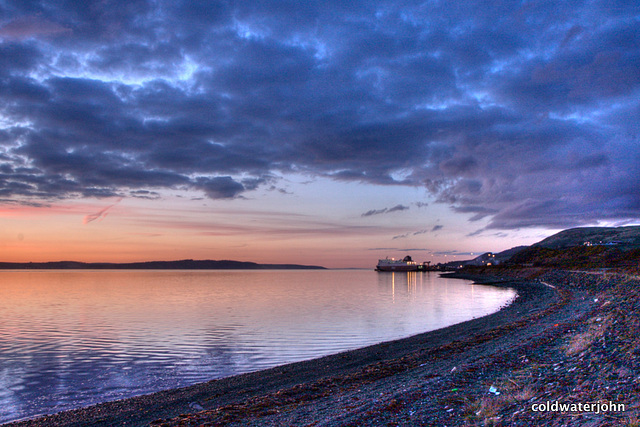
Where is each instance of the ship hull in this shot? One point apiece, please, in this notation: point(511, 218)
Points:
point(406, 264)
point(397, 268)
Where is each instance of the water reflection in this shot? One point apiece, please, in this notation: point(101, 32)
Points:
point(437, 300)
point(405, 282)
point(73, 338)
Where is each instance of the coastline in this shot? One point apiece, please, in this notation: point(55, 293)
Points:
point(389, 381)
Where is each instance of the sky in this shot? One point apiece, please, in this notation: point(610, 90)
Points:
point(319, 132)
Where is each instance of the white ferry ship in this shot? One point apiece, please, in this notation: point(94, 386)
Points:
point(406, 264)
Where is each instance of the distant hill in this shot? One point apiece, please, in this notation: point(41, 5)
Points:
point(509, 253)
point(487, 258)
point(622, 237)
point(187, 264)
point(578, 257)
point(587, 247)
point(582, 247)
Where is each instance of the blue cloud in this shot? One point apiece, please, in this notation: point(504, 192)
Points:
point(520, 114)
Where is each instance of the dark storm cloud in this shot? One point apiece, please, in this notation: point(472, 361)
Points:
point(519, 114)
point(400, 236)
point(374, 212)
point(222, 187)
point(419, 232)
point(395, 208)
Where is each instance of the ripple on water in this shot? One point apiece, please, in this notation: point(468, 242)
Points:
point(76, 338)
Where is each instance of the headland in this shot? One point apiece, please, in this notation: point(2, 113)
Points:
point(185, 264)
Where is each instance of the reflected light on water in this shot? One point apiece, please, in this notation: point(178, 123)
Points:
point(74, 338)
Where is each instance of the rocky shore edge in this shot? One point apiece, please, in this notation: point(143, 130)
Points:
point(569, 337)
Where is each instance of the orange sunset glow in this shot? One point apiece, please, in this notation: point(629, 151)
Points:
point(254, 136)
point(221, 212)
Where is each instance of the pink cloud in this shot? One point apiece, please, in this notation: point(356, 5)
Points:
point(27, 27)
point(99, 215)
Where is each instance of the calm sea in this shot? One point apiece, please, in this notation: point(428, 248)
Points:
point(74, 338)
